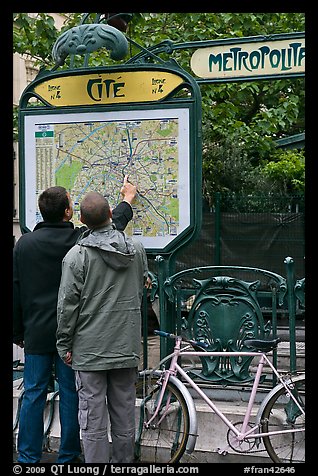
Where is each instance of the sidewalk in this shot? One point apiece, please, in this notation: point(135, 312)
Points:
point(195, 458)
point(47, 457)
point(212, 434)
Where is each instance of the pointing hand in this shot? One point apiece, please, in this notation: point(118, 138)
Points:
point(128, 191)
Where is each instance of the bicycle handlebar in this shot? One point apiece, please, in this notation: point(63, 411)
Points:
point(174, 336)
point(164, 334)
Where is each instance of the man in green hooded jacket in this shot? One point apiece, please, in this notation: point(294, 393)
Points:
point(99, 329)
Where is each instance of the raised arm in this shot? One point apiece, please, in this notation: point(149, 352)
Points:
point(123, 213)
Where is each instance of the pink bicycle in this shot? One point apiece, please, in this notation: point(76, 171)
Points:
point(167, 424)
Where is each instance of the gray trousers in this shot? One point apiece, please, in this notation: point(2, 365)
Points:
point(102, 393)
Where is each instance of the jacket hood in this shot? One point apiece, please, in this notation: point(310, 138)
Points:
point(115, 247)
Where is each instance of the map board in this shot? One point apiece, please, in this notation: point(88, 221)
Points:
point(93, 151)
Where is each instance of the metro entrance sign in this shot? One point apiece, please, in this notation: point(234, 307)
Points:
point(108, 88)
point(250, 58)
point(95, 125)
point(92, 126)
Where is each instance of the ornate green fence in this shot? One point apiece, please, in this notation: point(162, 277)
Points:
point(222, 306)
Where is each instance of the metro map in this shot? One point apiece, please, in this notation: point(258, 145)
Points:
point(96, 155)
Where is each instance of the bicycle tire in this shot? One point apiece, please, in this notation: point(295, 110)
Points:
point(282, 413)
point(167, 442)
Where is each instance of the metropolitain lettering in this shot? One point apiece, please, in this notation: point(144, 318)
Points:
point(236, 59)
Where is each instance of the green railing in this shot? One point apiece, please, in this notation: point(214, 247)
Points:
point(223, 305)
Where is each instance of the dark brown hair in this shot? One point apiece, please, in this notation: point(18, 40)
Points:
point(53, 203)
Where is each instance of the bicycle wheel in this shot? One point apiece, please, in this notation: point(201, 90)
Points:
point(280, 414)
point(164, 441)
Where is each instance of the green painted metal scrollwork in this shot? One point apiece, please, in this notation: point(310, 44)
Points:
point(224, 313)
point(223, 310)
point(86, 38)
point(300, 290)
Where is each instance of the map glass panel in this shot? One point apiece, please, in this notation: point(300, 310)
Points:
point(94, 151)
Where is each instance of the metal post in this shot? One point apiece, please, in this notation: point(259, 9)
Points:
point(217, 232)
point(291, 310)
point(145, 329)
point(163, 314)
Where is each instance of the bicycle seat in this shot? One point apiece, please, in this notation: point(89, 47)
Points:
point(262, 345)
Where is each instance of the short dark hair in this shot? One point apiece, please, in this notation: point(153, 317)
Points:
point(52, 203)
point(94, 210)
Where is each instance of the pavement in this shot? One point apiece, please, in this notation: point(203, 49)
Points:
point(47, 457)
point(203, 453)
point(196, 458)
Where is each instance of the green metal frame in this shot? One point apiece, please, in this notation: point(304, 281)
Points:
point(192, 103)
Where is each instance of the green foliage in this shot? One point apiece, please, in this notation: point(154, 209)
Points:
point(34, 36)
point(286, 171)
point(225, 168)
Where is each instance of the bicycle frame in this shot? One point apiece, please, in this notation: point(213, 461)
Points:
point(247, 431)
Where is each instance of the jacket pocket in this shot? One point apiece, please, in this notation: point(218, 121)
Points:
point(82, 404)
point(82, 414)
point(78, 382)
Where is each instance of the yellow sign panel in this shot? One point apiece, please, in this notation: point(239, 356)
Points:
point(250, 59)
point(108, 88)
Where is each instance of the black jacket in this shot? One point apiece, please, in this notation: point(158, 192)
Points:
point(37, 261)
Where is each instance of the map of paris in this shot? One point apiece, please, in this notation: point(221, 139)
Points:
point(95, 152)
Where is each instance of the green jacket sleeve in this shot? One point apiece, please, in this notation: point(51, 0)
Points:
point(69, 300)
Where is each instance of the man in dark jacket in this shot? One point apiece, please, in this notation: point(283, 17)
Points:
point(37, 259)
